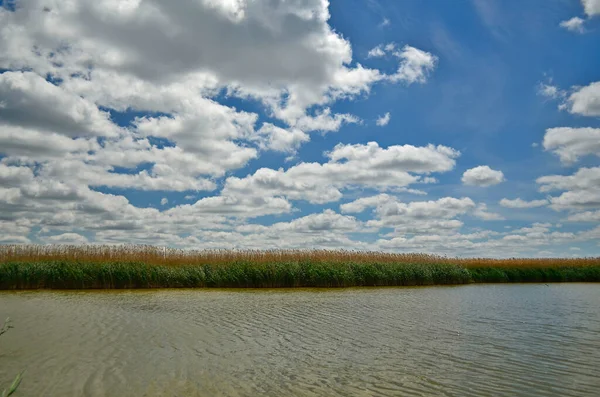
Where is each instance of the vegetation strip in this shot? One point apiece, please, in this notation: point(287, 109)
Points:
point(83, 267)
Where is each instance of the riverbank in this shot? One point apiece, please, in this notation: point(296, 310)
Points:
point(91, 266)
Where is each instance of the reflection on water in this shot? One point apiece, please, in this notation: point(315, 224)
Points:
point(478, 340)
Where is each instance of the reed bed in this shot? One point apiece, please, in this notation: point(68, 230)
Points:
point(134, 266)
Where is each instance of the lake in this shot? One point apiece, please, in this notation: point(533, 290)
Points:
point(472, 340)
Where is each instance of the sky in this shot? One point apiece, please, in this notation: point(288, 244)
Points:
point(459, 128)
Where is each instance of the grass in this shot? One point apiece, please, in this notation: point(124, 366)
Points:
point(93, 266)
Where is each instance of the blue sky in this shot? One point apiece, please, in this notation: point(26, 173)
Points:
point(467, 128)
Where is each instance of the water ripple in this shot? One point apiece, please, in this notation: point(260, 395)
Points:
point(489, 340)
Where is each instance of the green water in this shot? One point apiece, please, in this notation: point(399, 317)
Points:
point(473, 340)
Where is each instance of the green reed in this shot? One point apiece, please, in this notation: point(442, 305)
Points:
point(244, 274)
point(275, 274)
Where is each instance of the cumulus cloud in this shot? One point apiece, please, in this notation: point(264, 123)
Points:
point(482, 213)
point(361, 204)
point(109, 55)
point(349, 165)
point(381, 50)
point(591, 7)
point(587, 216)
point(520, 203)
point(325, 121)
point(528, 241)
point(585, 100)
point(241, 207)
point(11, 176)
point(415, 65)
point(482, 176)
point(70, 69)
point(412, 217)
point(326, 221)
point(66, 238)
point(572, 143)
point(169, 63)
point(383, 120)
point(581, 190)
point(56, 110)
point(583, 179)
point(376, 52)
point(574, 24)
point(164, 201)
point(281, 140)
point(408, 158)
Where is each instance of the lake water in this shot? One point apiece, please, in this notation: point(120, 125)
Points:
point(475, 340)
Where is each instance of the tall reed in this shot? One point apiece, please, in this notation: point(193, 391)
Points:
point(129, 266)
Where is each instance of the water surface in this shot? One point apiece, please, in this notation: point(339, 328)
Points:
point(475, 340)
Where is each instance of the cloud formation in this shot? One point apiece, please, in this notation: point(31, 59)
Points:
point(520, 203)
point(384, 120)
point(482, 176)
point(242, 124)
point(570, 144)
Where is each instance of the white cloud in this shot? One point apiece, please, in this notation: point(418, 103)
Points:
point(242, 207)
point(281, 140)
point(56, 110)
point(160, 177)
point(38, 146)
point(423, 159)
point(325, 121)
point(581, 191)
point(164, 201)
point(591, 7)
point(173, 63)
point(383, 120)
point(361, 204)
point(575, 200)
point(349, 165)
point(583, 179)
point(482, 176)
point(389, 47)
point(326, 221)
point(550, 91)
point(415, 216)
point(572, 143)
point(574, 24)
point(11, 176)
point(66, 238)
point(519, 203)
point(587, 216)
point(481, 212)
point(415, 65)
point(147, 56)
point(376, 52)
point(585, 100)
point(109, 54)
